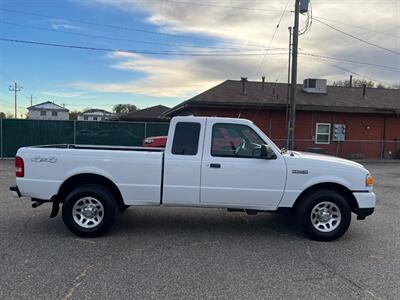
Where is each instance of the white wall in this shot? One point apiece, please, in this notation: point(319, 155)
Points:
point(90, 118)
point(35, 115)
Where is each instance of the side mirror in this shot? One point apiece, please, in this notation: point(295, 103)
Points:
point(267, 152)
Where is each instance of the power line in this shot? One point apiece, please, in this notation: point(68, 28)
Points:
point(266, 52)
point(138, 51)
point(354, 73)
point(272, 38)
point(358, 62)
point(130, 40)
point(111, 26)
point(355, 37)
point(357, 26)
point(220, 6)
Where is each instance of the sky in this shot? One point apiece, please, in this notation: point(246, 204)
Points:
point(149, 52)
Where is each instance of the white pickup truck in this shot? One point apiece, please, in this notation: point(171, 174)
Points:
point(207, 162)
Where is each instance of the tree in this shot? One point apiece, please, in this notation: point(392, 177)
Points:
point(124, 108)
point(73, 115)
point(2, 115)
point(355, 83)
point(396, 86)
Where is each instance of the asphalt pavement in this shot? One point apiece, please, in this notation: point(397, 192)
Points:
point(186, 253)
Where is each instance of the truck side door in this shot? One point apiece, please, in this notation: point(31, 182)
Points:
point(182, 163)
point(233, 174)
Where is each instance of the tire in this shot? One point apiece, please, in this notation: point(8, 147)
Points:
point(94, 203)
point(324, 215)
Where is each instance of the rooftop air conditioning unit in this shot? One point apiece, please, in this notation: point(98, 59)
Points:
point(314, 86)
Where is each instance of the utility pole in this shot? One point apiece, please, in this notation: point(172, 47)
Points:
point(292, 119)
point(288, 88)
point(31, 98)
point(15, 88)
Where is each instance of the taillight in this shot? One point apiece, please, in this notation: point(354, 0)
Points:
point(19, 167)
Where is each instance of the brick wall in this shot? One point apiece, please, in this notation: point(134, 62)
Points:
point(364, 132)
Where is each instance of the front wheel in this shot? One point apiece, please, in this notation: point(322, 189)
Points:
point(324, 215)
point(89, 211)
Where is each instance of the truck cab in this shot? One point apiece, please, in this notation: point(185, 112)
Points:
point(217, 162)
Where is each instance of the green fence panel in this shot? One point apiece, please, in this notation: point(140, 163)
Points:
point(19, 133)
point(110, 133)
point(157, 129)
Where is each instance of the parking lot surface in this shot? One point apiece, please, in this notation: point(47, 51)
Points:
point(185, 253)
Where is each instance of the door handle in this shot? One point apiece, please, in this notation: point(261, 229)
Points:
point(215, 166)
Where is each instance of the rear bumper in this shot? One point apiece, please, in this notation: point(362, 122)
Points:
point(366, 204)
point(14, 191)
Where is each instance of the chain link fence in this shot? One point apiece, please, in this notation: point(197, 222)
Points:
point(19, 133)
point(350, 149)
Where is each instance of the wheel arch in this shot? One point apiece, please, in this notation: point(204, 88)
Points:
point(89, 178)
point(341, 189)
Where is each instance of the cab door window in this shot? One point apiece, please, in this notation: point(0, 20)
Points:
point(234, 140)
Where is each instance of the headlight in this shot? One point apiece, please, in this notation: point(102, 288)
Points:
point(369, 181)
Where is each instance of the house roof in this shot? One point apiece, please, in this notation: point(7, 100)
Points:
point(341, 99)
point(96, 111)
point(48, 105)
point(150, 113)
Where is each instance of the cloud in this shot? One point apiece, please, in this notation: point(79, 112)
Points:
point(64, 25)
point(61, 94)
point(246, 27)
point(177, 77)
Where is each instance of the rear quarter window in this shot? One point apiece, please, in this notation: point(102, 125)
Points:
point(186, 138)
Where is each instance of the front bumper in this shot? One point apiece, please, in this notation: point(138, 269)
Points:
point(366, 204)
point(14, 191)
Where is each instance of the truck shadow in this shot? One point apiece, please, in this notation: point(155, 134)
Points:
point(194, 221)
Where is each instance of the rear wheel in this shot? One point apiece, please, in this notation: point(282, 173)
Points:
point(89, 211)
point(324, 215)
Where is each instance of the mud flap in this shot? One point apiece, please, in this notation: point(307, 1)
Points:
point(55, 209)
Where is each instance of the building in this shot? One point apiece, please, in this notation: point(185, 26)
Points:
point(150, 114)
point(95, 114)
point(356, 122)
point(47, 111)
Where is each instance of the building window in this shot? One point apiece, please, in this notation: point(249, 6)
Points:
point(42, 112)
point(94, 118)
point(54, 113)
point(85, 118)
point(186, 138)
point(323, 133)
point(312, 83)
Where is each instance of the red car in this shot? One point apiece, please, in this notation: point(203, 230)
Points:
point(223, 140)
point(155, 141)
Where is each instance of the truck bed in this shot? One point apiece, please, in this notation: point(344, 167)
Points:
point(100, 147)
point(136, 171)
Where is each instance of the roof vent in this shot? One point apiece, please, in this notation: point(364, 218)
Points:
point(263, 83)
point(314, 86)
point(244, 80)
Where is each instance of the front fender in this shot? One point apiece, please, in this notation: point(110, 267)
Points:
point(294, 190)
